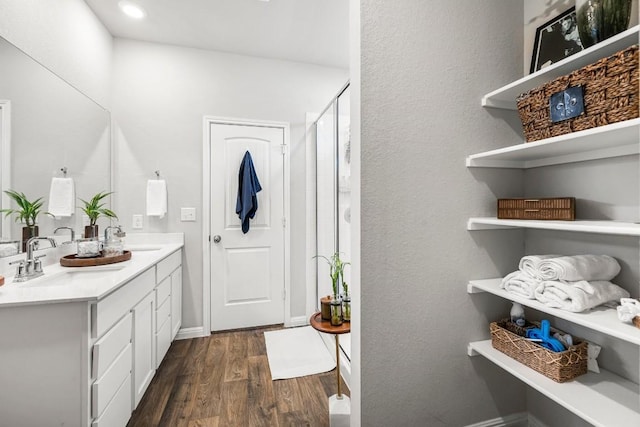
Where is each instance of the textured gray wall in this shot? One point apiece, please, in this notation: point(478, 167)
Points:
point(425, 66)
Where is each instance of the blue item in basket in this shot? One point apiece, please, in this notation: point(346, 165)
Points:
point(543, 333)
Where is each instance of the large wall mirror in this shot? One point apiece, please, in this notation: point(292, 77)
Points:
point(48, 127)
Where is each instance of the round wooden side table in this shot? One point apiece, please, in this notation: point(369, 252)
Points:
point(339, 405)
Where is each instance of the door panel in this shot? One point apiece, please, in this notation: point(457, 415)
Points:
point(247, 270)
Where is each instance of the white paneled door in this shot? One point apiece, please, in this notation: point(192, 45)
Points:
point(247, 270)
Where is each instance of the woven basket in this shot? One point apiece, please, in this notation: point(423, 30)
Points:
point(610, 90)
point(560, 367)
point(558, 208)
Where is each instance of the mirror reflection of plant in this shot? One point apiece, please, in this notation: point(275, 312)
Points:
point(28, 210)
point(94, 209)
point(336, 272)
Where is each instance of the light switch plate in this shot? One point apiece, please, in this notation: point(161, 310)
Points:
point(187, 214)
point(137, 222)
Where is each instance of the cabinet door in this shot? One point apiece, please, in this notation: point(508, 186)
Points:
point(143, 346)
point(176, 301)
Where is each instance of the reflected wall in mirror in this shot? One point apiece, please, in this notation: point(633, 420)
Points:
point(48, 125)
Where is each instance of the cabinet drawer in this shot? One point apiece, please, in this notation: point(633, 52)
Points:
point(118, 411)
point(107, 348)
point(105, 388)
point(163, 341)
point(108, 310)
point(162, 291)
point(167, 265)
point(163, 313)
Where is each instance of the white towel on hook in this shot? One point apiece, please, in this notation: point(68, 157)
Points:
point(62, 197)
point(156, 197)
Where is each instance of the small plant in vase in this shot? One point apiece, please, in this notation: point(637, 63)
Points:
point(94, 209)
point(27, 214)
point(336, 270)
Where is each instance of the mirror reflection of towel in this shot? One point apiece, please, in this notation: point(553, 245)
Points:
point(248, 188)
point(62, 197)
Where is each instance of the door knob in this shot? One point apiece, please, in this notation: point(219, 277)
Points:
point(216, 239)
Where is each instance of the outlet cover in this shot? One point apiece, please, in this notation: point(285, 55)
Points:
point(137, 222)
point(187, 214)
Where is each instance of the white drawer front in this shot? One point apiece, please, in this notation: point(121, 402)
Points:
point(118, 411)
point(163, 314)
point(107, 348)
point(162, 291)
point(107, 311)
point(167, 265)
point(105, 388)
point(163, 341)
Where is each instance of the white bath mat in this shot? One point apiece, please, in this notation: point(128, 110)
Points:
point(296, 352)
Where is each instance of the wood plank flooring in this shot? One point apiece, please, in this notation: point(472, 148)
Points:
point(224, 380)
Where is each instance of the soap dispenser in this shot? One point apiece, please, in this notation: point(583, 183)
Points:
point(113, 245)
point(517, 314)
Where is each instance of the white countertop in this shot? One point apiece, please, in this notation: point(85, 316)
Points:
point(74, 284)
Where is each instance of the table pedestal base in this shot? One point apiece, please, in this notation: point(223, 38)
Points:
point(339, 411)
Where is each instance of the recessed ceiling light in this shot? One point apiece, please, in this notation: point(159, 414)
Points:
point(132, 10)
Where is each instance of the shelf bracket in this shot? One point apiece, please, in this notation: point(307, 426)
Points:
point(472, 289)
point(471, 352)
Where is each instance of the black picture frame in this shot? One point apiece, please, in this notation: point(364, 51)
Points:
point(556, 40)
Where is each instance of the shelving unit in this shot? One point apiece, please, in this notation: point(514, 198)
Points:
point(598, 227)
point(505, 97)
point(601, 319)
point(604, 399)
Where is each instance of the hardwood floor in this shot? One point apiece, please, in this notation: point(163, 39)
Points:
point(224, 380)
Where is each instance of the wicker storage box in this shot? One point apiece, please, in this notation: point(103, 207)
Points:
point(610, 90)
point(560, 367)
point(559, 208)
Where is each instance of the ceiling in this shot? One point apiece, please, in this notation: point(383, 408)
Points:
point(311, 31)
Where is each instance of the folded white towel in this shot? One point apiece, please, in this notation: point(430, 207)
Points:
point(62, 197)
point(578, 296)
point(579, 267)
point(520, 283)
point(529, 264)
point(156, 197)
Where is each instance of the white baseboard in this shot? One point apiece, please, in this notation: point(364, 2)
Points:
point(297, 321)
point(520, 419)
point(187, 333)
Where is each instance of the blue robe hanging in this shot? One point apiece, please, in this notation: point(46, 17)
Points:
point(248, 187)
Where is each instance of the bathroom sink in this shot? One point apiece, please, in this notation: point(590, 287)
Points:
point(142, 248)
point(72, 277)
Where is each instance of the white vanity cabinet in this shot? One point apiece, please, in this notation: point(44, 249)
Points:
point(88, 362)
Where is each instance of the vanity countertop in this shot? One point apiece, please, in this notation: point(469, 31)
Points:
point(74, 284)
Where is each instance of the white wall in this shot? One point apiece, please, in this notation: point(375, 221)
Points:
point(424, 67)
point(66, 37)
point(161, 94)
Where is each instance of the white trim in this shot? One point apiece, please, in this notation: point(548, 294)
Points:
point(294, 322)
point(310, 262)
point(5, 163)
point(195, 332)
point(535, 422)
point(206, 212)
point(514, 420)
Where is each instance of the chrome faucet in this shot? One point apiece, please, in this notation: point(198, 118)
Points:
point(73, 233)
point(31, 267)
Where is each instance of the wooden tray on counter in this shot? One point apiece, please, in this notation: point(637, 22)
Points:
point(74, 261)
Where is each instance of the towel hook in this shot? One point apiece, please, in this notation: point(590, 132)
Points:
point(64, 170)
point(157, 174)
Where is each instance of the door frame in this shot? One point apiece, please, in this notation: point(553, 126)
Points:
point(5, 166)
point(206, 212)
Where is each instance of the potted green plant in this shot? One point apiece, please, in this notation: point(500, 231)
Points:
point(27, 213)
point(94, 209)
point(336, 271)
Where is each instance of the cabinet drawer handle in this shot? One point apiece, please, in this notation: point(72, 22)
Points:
point(531, 200)
point(532, 210)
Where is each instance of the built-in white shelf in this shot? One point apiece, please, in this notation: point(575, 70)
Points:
point(601, 319)
point(614, 140)
point(505, 97)
point(597, 227)
point(603, 399)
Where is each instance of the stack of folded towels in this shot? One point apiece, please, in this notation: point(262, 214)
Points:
point(574, 283)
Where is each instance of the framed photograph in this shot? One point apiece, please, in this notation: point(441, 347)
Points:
point(556, 40)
